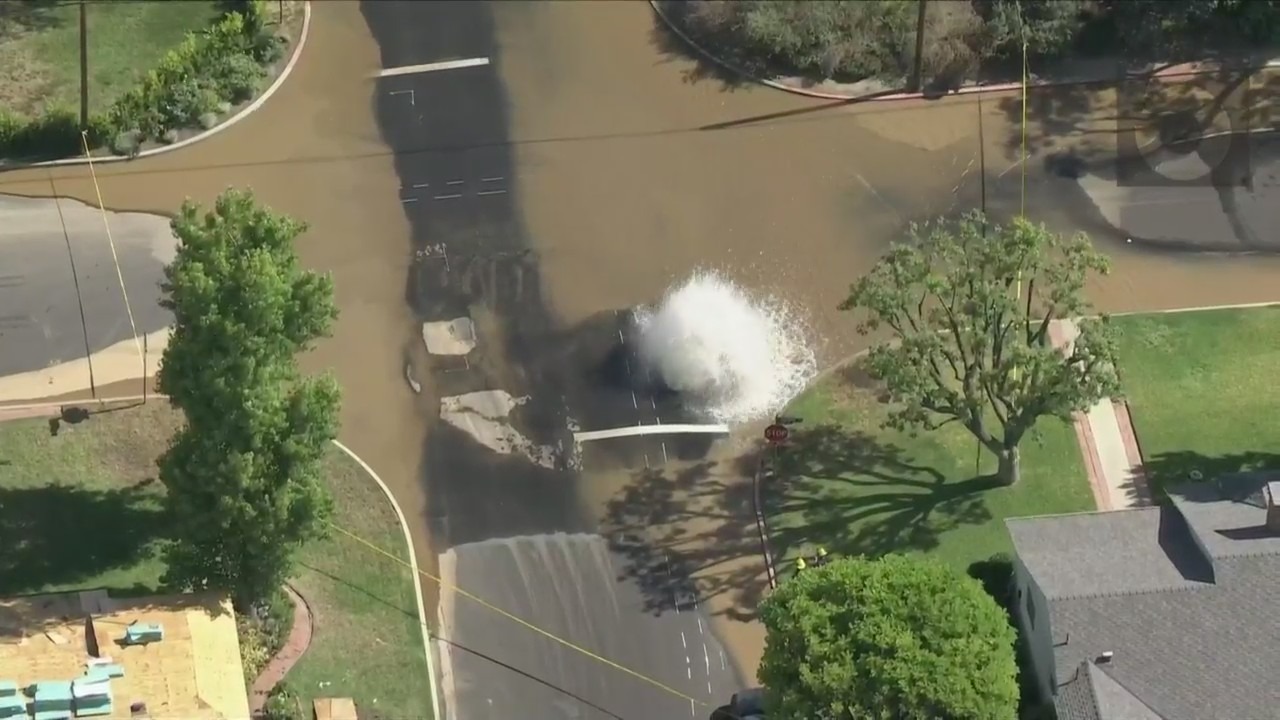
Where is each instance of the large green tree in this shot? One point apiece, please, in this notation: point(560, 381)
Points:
point(242, 475)
point(895, 638)
point(969, 304)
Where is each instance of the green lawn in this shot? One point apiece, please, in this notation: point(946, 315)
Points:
point(82, 510)
point(854, 487)
point(365, 609)
point(1202, 389)
point(40, 48)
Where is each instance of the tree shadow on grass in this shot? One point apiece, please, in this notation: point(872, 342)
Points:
point(61, 535)
point(26, 16)
point(854, 495)
point(1166, 470)
point(674, 48)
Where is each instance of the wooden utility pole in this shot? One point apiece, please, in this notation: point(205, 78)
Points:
point(84, 67)
point(917, 73)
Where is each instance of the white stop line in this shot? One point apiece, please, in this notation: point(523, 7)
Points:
point(637, 430)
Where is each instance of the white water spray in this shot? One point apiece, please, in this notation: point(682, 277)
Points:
point(732, 356)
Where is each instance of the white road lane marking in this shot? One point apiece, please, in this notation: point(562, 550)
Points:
point(634, 430)
point(432, 67)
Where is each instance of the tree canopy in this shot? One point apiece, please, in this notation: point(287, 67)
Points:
point(242, 474)
point(969, 304)
point(894, 638)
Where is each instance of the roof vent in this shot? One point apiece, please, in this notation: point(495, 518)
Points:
point(1272, 496)
point(1105, 657)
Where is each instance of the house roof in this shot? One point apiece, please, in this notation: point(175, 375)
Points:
point(1111, 553)
point(194, 673)
point(1093, 695)
point(1193, 632)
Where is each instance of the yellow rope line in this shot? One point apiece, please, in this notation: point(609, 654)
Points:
point(84, 141)
point(1025, 80)
point(572, 646)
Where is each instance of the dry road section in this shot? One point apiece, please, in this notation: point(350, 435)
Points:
point(64, 321)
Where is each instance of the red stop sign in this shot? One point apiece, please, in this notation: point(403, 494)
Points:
point(776, 434)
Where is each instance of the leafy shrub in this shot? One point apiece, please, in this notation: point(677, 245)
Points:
point(206, 73)
point(238, 77)
point(283, 704)
point(842, 38)
point(263, 631)
point(996, 575)
point(55, 133)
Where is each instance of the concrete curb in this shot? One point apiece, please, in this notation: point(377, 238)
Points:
point(762, 524)
point(224, 125)
point(417, 577)
point(1166, 74)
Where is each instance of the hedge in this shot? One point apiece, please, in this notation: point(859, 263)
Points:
point(194, 83)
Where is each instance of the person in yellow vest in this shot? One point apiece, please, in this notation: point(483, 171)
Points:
point(801, 565)
point(821, 558)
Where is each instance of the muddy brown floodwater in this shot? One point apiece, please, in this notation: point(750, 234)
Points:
point(631, 172)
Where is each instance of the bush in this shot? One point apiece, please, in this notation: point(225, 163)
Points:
point(263, 631)
point(856, 39)
point(844, 38)
point(238, 77)
point(283, 704)
point(996, 575)
point(209, 71)
point(56, 132)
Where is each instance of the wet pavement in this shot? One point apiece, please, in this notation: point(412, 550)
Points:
point(60, 294)
point(581, 172)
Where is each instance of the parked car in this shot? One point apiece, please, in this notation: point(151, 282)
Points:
point(748, 704)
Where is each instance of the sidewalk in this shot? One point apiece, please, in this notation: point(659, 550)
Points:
point(1108, 443)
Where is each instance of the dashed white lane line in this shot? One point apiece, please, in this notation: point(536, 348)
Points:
point(634, 404)
point(495, 178)
point(448, 197)
point(722, 663)
point(419, 186)
point(454, 182)
point(706, 658)
point(408, 200)
point(691, 710)
point(492, 192)
point(620, 338)
point(700, 630)
point(664, 454)
point(682, 640)
point(431, 67)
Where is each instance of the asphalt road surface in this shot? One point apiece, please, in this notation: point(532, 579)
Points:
point(511, 531)
point(60, 296)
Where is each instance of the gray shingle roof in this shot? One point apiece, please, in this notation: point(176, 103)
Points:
point(1114, 553)
point(1228, 515)
point(1093, 695)
point(1189, 643)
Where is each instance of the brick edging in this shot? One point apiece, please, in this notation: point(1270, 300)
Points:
point(1133, 453)
point(295, 645)
point(1092, 465)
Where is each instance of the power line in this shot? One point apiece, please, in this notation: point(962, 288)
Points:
point(102, 207)
point(545, 633)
